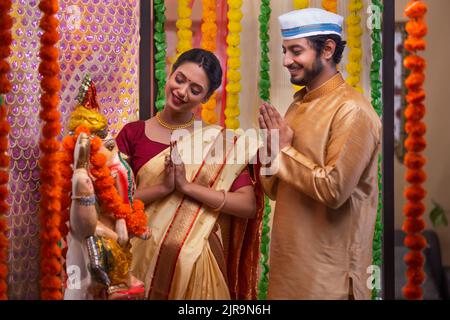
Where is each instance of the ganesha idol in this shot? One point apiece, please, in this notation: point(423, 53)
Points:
point(103, 214)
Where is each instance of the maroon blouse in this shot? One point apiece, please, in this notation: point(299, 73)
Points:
point(133, 142)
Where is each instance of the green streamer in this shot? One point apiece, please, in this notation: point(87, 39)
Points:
point(161, 52)
point(377, 103)
point(264, 94)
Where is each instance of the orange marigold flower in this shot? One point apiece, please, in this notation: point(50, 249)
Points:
point(415, 44)
point(5, 51)
point(51, 84)
point(4, 177)
point(5, 85)
point(417, 28)
point(415, 128)
point(414, 160)
point(4, 66)
point(5, 37)
point(415, 112)
point(50, 101)
point(51, 129)
point(49, 6)
point(416, 9)
point(49, 53)
point(412, 292)
point(49, 68)
point(415, 80)
point(415, 193)
point(415, 242)
point(413, 225)
point(415, 144)
point(48, 22)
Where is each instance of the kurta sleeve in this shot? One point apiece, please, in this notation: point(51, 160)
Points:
point(270, 185)
point(354, 137)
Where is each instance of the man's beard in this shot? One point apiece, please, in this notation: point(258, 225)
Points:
point(310, 74)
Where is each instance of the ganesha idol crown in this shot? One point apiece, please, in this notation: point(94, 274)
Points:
point(86, 113)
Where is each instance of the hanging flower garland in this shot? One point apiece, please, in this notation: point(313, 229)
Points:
point(330, 5)
point(415, 144)
point(50, 178)
point(354, 33)
point(161, 52)
point(209, 37)
point(184, 24)
point(6, 24)
point(301, 4)
point(377, 103)
point(264, 94)
point(233, 87)
point(104, 184)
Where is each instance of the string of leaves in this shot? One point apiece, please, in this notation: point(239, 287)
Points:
point(161, 52)
point(377, 103)
point(264, 94)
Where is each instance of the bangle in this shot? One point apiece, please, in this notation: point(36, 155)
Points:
point(85, 200)
point(223, 202)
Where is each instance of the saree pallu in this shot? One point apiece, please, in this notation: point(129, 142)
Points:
point(190, 256)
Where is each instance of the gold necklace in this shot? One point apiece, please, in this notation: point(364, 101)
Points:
point(172, 126)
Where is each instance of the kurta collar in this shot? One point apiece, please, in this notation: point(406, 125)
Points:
point(333, 83)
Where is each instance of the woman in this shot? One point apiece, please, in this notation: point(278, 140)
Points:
point(197, 210)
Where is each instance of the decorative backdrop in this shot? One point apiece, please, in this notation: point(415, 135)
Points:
point(100, 37)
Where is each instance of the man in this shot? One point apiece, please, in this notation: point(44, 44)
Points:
point(325, 185)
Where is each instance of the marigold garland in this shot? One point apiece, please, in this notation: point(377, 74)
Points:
point(301, 4)
point(330, 5)
point(50, 205)
point(354, 35)
point(6, 24)
point(415, 144)
point(209, 37)
point(264, 94)
point(184, 24)
point(233, 87)
point(104, 184)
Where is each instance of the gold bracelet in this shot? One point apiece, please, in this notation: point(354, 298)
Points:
point(223, 202)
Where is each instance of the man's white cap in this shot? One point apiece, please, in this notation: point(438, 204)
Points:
point(310, 22)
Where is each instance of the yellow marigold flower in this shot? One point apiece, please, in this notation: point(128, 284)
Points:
point(234, 63)
point(301, 4)
point(233, 52)
point(234, 27)
point(235, 4)
point(184, 23)
point(233, 39)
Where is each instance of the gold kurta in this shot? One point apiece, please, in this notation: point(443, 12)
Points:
point(326, 196)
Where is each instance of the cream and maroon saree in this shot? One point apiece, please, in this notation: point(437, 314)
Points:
point(194, 252)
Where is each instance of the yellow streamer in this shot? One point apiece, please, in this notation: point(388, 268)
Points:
point(184, 24)
point(233, 87)
point(354, 33)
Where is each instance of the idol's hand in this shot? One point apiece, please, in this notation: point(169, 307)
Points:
point(271, 119)
point(122, 232)
point(180, 170)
